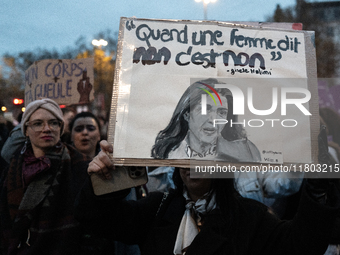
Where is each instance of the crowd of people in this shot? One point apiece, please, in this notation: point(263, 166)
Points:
point(47, 203)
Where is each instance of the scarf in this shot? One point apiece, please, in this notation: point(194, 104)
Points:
point(191, 219)
point(39, 218)
point(33, 166)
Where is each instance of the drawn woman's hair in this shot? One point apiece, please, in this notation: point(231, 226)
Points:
point(170, 138)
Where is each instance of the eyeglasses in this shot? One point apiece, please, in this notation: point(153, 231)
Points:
point(39, 125)
point(89, 128)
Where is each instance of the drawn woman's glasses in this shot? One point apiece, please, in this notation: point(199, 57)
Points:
point(39, 125)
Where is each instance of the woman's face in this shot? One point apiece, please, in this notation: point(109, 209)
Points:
point(85, 135)
point(196, 187)
point(43, 130)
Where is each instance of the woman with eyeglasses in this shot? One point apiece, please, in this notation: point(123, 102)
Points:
point(38, 190)
point(85, 133)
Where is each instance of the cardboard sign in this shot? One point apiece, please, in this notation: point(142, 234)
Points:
point(67, 81)
point(179, 84)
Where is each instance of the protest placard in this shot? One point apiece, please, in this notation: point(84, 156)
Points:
point(67, 81)
point(264, 108)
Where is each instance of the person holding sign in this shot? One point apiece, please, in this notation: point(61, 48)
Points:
point(38, 190)
point(207, 216)
point(191, 133)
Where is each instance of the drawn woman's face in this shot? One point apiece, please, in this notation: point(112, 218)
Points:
point(202, 129)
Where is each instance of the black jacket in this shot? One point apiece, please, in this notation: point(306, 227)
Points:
point(253, 230)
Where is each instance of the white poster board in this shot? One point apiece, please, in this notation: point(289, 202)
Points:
point(67, 81)
point(157, 61)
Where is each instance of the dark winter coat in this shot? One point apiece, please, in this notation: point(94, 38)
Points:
point(153, 224)
point(39, 218)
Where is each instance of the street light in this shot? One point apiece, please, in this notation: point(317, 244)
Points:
point(205, 4)
point(99, 43)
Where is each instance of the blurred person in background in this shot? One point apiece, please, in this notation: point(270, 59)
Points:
point(104, 123)
point(85, 133)
point(272, 188)
point(14, 140)
point(331, 119)
point(4, 133)
point(85, 136)
point(68, 114)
